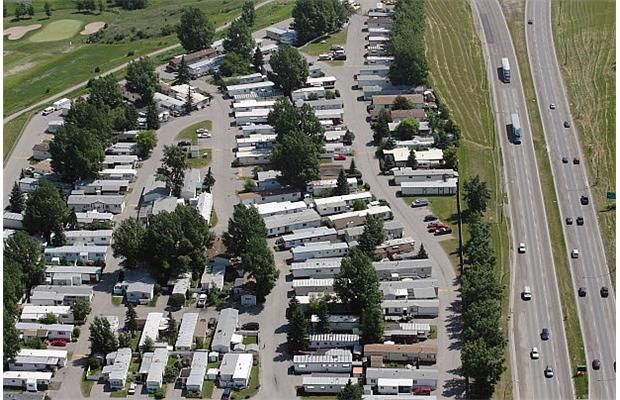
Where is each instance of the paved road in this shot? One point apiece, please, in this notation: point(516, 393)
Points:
point(597, 315)
point(535, 268)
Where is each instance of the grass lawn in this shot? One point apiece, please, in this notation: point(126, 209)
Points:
point(433, 333)
point(515, 19)
point(133, 343)
point(202, 161)
point(214, 364)
point(153, 301)
point(459, 76)
point(189, 133)
point(584, 33)
point(86, 386)
point(214, 220)
point(207, 389)
point(324, 45)
point(12, 131)
point(58, 30)
point(135, 365)
point(117, 300)
point(120, 393)
point(250, 339)
point(252, 387)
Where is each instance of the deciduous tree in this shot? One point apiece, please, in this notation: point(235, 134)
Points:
point(80, 309)
point(372, 236)
point(172, 170)
point(297, 157)
point(484, 364)
point(402, 103)
point(371, 324)
point(407, 129)
point(351, 392)
point(239, 39)
point(146, 141)
point(314, 18)
point(13, 285)
point(102, 338)
point(11, 344)
point(357, 283)
point(289, 69)
point(450, 158)
point(141, 79)
point(477, 194)
point(195, 31)
point(77, 153)
point(152, 117)
point(257, 260)
point(234, 64)
point(248, 13)
point(128, 241)
point(46, 210)
point(104, 91)
point(27, 253)
point(244, 224)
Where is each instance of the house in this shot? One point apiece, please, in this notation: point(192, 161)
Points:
point(103, 186)
point(319, 250)
point(403, 353)
point(30, 381)
point(41, 168)
point(420, 377)
point(247, 88)
point(326, 384)
point(13, 220)
point(395, 246)
point(116, 373)
point(373, 80)
point(332, 115)
point(155, 322)
point(122, 149)
point(410, 289)
point(100, 203)
point(189, 58)
point(325, 185)
point(330, 149)
point(386, 102)
point(308, 235)
point(304, 287)
point(75, 253)
point(396, 270)
point(286, 36)
point(102, 237)
point(153, 190)
point(41, 151)
point(284, 194)
point(408, 333)
point(213, 275)
point(333, 341)
point(316, 268)
point(168, 204)
point(411, 308)
point(279, 208)
point(168, 102)
point(252, 104)
point(89, 217)
point(408, 174)
point(255, 116)
point(53, 126)
point(196, 377)
point(185, 337)
point(192, 184)
point(339, 323)
point(258, 141)
point(253, 157)
point(268, 180)
point(155, 375)
point(47, 295)
point(305, 93)
point(27, 185)
point(333, 360)
point(224, 333)
point(235, 370)
point(38, 360)
point(114, 323)
point(138, 292)
point(181, 286)
point(262, 129)
point(287, 223)
point(31, 330)
point(118, 173)
point(393, 229)
point(337, 204)
point(355, 218)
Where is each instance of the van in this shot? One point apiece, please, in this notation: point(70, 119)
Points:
point(48, 110)
point(526, 294)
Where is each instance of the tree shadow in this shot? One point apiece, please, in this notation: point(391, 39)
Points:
point(455, 387)
point(281, 353)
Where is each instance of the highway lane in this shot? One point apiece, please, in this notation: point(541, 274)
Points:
point(590, 271)
point(535, 268)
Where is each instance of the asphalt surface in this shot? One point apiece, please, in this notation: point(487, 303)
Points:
point(590, 270)
point(529, 225)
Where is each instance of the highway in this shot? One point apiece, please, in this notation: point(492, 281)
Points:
point(535, 268)
point(590, 270)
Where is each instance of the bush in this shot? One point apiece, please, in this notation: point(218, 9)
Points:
point(94, 362)
point(167, 30)
point(157, 289)
point(97, 69)
point(76, 332)
point(119, 36)
point(337, 93)
point(366, 186)
point(130, 53)
point(159, 394)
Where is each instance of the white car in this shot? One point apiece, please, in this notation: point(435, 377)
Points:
point(574, 253)
point(521, 247)
point(202, 130)
point(552, 106)
point(202, 301)
point(534, 355)
point(48, 110)
point(203, 135)
point(132, 388)
point(548, 372)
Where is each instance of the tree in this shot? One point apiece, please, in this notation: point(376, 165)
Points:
point(248, 13)
point(421, 252)
point(171, 373)
point(208, 181)
point(357, 283)
point(450, 158)
point(72, 221)
point(104, 91)
point(351, 392)
point(371, 324)
point(322, 312)
point(77, 153)
point(189, 104)
point(402, 103)
point(407, 45)
point(146, 141)
point(342, 186)
point(479, 284)
point(412, 162)
point(348, 138)
point(17, 200)
point(314, 18)
point(148, 345)
point(80, 309)
point(172, 170)
point(195, 31)
point(20, 10)
point(132, 4)
point(102, 338)
point(152, 118)
point(13, 284)
point(257, 260)
point(100, 6)
point(10, 334)
point(141, 79)
point(128, 241)
point(483, 363)
point(380, 127)
point(258, 59)
point(30, 9)
point(26, 252)
point(286, 118)
point(297, 157)
point(183, 74)
point(234, 64)
point(352, 168)
point(359, 205)
point(49, 319)
point(477, 249)
point(298, 329)
point(48, 9)
point(244, 224)
point(131, 316)
point(124, 340)
point(171, 330)
point(289, 69)
point(477, 194)
point(407, 129)
point(481, 320)
point(239, 39)
point(58, 237)
point(372, 236)
point(249, 185)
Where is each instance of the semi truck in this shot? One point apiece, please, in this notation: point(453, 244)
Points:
point(515, 126)
point(505, 70)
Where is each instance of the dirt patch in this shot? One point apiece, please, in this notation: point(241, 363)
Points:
point(92, 28)
point(19, 68)
point(18, 32)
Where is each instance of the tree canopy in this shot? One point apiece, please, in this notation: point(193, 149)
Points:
point(407, 44)
point(244, 224)
point(141, 79)
point(372, 236)
point(146, 141)
point(351, 392)
point(239, 39)
point(77, 153)
point(46, 211)
point(257, 260)
point(248, 13)
point(17, 200)
point(80, 309)
point(289, 69)
point(128, 241)
point(297, 157)
point(342, 186)
point(314, 18)
point(407, 129)
point(195, 31)
point(477, 194)
point(102, 338)
point(104, 92)
point(298, 327)
point(27, 253)
point(286, 118)
point(357, 283)
point(172, 170)
point(13, 285)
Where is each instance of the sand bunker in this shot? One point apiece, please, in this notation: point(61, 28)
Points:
point(18, 32)
point(92, 28)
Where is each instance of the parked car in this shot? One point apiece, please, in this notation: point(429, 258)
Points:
point(325, 57)
point(212, 322)
point(530, 22)
point(443, 231)
point(576, 161)
point(226, 394)
point(420, 203)
point(132, 388)
point(202, 301)
point(58, 342)
point(604, 291)
point(430, 217)
point(48, 110)
point(582, 292)
point(250, 326)
point(184, 143)
point(422, 391)
point(584, 200)
point(544, 335)
point(534, 355)
point(339, 157)
point(548, 372)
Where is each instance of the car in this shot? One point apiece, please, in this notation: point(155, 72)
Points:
point(580, 221)
point(212, 322)
point(58, 342)
point(422, 391)
point(432, 225)
point(548, 372)
point(604, 291)
point(325, 57)
point(339, 157)
point(202, 130)
point(544, 335)
point(203, 135)
point(596, 364)
point(534, 355)
point(530, 22)
point(184, 143)
point(250, 326)
point(566, 124)
point(443, 231)
point(521, 248)
point(202, 301)
point(526, 294)
point(574, 253)
point(419, 203)
point(576, 161)
point(430, 217)
point(48, 110)
point(565, 160)
point(582, 292)
point(226, 394)
point(584, 200)
point(569, 221)
point(552, 106)
point(132, 388)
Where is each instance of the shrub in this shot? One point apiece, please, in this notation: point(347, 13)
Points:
point(97, 69)
point(130, 53)
point(94, 362)
point(366, 186)
point(157, 289)
point(76, 332)
point(159, 394)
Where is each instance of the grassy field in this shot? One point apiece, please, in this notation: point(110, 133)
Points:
point(12, 130)
point(189, 133)
point(458, 75)
point(324, 45)
point(250, 340)
point(584, 34)
point(202, 161)
point(515, 18)
point(58, 30)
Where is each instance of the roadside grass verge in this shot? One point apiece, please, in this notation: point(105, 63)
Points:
point(202, 161)
point(86, 386)
point(324, 45)
point(458, 75)
point(252, 387)
point(584, 34)
point(189, 133)
point(117, 300)
point(12, 131)
point(515, 19)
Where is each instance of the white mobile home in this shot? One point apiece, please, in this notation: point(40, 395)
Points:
point(74, 253)
point(30, 330)
point(253, 157)
point(262, 129)
point(185, 337)
point(373, 80)
point(309, 235)
point(379, 60)
point(429, 188)
point(287, 223)
point(111, 204)
point(116, 373)
point(328, 82)
point(13, 220)
point(154, 323)
point(155, 376)
point(334, 135)
point(329, 115)
point(269, 196)
point(27, 185)
point(88, 217)
point(420, 377)
point(335, 360)
point(420, 289)
point(411, 308)
point(339, 323)
point(224, 335)
point(304, 93)
point(38, 360)
point(235, 370)
point(247, 88)
point(31, 381)
point(126, 161)
point(49, 295)
point(251, 78)
point(124, 174)
point(168, 102)
point(286, 36)
point(32, 313)
point(279, 208)
point(252, 104)
point(337, 204)
point(393, 229)
point(333, 341)
point(395, 246)
point(322, 104)
point(61, 103)
point(268, 180)
point(303, 287)
point(122, 149)
point(102, 186)
point(53, 126)
point(206, 66)
point(408, 333)
point(331, 149)
point(138, 292)
point(256, 116)
point(102, 237)
point(396, 270)
point(326, 384)
point(317, 187)
point(355, 218)
point(316, 268)
point(196, 377)
point(408, 174)
point(319, 250)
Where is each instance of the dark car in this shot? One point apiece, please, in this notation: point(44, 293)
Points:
point(250, 326)
point(212, 322)
point(184, 143)
point(576, 161)
point(430, 217)
point(569, 221)
point(443, 231)
point(584, 200)
point(544, 335)
point(579, 220)
point(582, 292)
point(565, 160)
point(226, 394)
point(566, 124)
point(604, 291)
point(596, 364)
point(530, 22)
